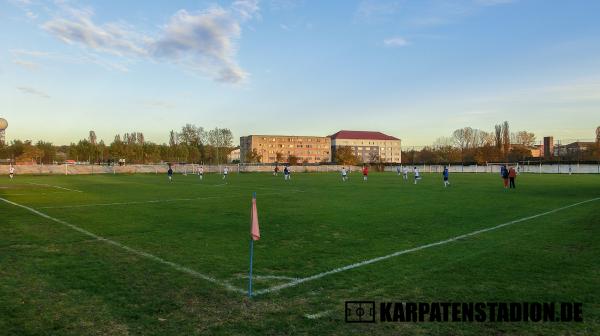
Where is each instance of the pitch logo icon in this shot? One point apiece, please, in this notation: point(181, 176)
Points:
point(360, 311)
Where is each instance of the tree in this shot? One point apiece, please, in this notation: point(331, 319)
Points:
point(253, 156)
point(374, 158)
point(48, 151)
point(278, 157)
point(221, 140)
point(505, 137)
point(443, 142)
point(30, 154)
point(345, 155)
point(292, 160)
point(498, 136)
point(524, 138)
point(192, 135)
point(519, 153)
point(464, 139)
point(92, 137)
point(172, 138)
point(460, 138)
point(598, 135)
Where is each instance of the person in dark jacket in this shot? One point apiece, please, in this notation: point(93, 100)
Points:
point(446, 175)
point(170, 173)
point(504, 174)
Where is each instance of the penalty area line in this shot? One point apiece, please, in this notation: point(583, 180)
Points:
point(150, 201)
point(53, 186)
point(143, 254)
point(414, 249)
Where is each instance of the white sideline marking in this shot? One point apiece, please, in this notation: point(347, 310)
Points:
point(318, 315)
point(53, 186)
point(395, 254)
point(267, 277)
point(144, 202)
point(133, 251)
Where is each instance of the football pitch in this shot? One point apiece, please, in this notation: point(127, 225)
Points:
point(137, 255)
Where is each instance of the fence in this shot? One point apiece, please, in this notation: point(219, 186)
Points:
point(521, 168)
point(193, 168)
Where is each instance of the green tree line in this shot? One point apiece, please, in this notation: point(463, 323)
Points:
point(192, 144)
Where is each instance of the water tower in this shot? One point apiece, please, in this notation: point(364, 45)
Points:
point(3, 126)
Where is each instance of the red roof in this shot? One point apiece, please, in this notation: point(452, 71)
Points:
point(362, 135)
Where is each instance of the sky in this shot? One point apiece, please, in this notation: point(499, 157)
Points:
point(414, 69)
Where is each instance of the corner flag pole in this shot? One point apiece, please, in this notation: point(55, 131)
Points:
point(254, 235)
point(250, 277)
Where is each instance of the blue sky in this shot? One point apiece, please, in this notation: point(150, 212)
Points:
point(415, 69)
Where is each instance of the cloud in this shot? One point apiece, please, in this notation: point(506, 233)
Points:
point(32, 53)
point(31, 15)
point(112, 38)
point(26, 64)
point(32, 91)
point(246, 9)
point(395, 42)
point(204, 41)
point(84, 58)
point(376, 10)
point(285, 5)
point(493, 2)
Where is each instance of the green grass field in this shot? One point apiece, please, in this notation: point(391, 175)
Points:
point(56, 280)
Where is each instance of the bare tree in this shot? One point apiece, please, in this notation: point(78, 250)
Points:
point(523, 138)
point(498, 136)
point(484, 139)
point(172, 139)
point(598, 134)
point(140, 138)
point(505, 137)
point(92, 137)
point(460, 138)
point(443, 142)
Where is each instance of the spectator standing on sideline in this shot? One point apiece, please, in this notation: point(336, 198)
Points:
point(504, 175)
point(512, 175)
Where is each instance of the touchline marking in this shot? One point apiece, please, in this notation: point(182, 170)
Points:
point(145, 202)
point(418, 248)
point(132, 250)
point(318, 315)
point(267, 277)
point(53, 186)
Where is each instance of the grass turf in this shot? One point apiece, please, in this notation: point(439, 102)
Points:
point(55, 280)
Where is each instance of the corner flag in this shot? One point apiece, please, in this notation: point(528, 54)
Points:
point(254, 235)
point(254, 230)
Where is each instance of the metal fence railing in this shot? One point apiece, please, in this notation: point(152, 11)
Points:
point(67, 169)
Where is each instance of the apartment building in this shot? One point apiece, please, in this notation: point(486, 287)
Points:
point(278, 148)
point(368, 146)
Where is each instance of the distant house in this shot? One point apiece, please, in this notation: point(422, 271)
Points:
point(234, 156)
point(368, 146)
point(573, 148)
point(579, 146)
